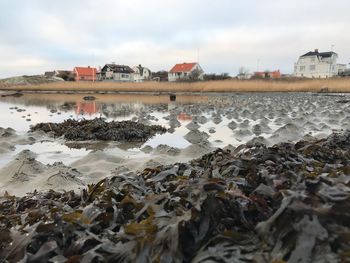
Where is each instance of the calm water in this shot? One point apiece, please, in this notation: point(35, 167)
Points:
point(308, 112)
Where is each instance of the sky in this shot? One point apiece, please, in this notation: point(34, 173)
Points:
point(223, 35)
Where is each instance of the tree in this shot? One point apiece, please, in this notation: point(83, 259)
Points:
point(195, 75)
point(66, 75)
point(214, 76)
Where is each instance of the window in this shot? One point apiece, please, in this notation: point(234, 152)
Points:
point(312, 67)
point(125, 76)
point(302, 68)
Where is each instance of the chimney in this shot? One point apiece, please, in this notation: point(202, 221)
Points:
point(316, 50)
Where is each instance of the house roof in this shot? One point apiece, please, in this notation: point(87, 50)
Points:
point(85, 71)
point(184, 67)
point(118, 68)
point(319, 54)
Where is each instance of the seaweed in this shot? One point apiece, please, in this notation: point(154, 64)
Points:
point(285, 203)
point(100, 130)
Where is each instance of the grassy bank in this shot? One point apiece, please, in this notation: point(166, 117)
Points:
point(332, 85)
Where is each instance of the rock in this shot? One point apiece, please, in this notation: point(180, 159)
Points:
point(232, 125)
point(147, 149)
point(202, 120)
point(89, 98)
point(196, 137)
point(166, 149)
point(217, 119)
point(192, 126)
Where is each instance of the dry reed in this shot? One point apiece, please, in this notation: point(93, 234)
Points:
point(331, 85)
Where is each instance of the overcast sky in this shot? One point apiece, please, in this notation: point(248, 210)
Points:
point(39, 35)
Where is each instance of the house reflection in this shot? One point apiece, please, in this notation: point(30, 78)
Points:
point(89, 108)
point(184, 117)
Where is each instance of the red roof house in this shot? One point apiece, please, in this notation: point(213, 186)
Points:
point(184, 71)
point(85, 73)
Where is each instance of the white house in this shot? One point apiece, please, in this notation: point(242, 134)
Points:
point(141, 73)
point(186, 71)
point(315, 64)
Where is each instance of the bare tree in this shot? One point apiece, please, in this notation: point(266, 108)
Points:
point(194, 75)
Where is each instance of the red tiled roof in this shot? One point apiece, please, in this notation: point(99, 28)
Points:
point(184, 67)
point(85, 71)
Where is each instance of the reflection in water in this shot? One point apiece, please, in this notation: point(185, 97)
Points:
point(267, 115)
point(89, 108)
point(44, 99)
point(184, 117)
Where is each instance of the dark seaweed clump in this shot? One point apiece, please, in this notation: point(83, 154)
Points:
point(286, 203)
point(99, 129)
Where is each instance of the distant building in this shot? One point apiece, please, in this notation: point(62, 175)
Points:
point(141, 73)
point(51, 74)
point(113, 72)
point(315, 64)
point(243, 76)
point(85, 73)
point(186, 71)
point(276, 74)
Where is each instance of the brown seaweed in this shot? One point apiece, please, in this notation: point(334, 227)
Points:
point(99, 129)
point(286, 203)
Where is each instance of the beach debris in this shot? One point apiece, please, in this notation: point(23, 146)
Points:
point(99, 129)
point(89, 98)
point(285, 203)
point(172, 97)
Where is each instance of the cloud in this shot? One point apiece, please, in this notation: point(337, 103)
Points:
point(42, 35)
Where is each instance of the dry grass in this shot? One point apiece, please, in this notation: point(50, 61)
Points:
point(333, 85)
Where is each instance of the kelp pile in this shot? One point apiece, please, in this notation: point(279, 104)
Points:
point(99, 129)
point(286, 203)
